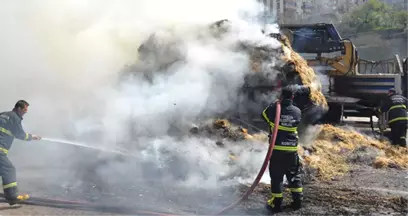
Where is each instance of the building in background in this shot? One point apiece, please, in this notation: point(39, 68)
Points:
point(287, 10)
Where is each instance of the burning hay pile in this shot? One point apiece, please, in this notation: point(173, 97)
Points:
point(334, 149)
point(305, 72)
point(290, 57)
point(220, 129)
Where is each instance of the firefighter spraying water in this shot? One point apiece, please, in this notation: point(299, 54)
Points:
point(285, 159)
point(10, 128)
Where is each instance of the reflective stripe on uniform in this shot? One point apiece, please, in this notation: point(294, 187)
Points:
point(4, 130)
point(397, 119)
point(282, 128)
point(273, 196)
point(285, 148)
point(13, 184)
point(5, 151)
point(296, 190)
point(402, 137)
point(278, 195)
point(266, 117)
point(270, 202)
point(397, 106)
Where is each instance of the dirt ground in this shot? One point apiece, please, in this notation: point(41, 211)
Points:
point(363, 191)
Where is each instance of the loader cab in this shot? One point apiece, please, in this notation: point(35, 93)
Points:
point(322, 46)
point(314, 38)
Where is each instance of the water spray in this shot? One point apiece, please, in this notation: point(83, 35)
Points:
point(85, 146)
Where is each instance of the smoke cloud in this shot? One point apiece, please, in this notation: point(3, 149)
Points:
point(65, 58)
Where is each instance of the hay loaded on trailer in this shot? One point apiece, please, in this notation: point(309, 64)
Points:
point(271, 67)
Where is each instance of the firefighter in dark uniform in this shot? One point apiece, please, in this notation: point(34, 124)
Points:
point(10, 128)
point(285, 159)
point(396, 106)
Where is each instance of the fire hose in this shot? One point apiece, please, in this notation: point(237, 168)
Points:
point(264, 165)
point(92, 206)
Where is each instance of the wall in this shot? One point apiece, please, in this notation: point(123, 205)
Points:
point(380, 45)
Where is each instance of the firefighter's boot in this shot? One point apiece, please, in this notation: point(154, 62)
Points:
point(14, 201)
point(297, 201)
point(275, 204)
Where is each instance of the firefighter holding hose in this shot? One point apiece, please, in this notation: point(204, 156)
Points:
point(285, 159)
point(10, 128)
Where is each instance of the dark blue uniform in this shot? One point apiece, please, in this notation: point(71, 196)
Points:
point(396, 106)
point(10, 128)
point(285, 158)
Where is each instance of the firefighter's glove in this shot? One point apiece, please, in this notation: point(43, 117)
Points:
point(36, 137)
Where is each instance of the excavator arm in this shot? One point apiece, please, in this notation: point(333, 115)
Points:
point(321, 39)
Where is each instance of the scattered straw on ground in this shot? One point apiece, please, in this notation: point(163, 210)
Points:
point(333, 152)
point(333, 146)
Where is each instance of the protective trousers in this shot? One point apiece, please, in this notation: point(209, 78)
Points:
point(399, 133)
point(8, 174)
point(285, 164)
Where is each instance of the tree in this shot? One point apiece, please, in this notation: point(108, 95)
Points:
point(375, 15)
point(401, 19)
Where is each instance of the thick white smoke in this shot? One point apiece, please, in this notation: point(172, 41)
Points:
point(64, 58)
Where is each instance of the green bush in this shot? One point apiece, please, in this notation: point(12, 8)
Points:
point(375, 15)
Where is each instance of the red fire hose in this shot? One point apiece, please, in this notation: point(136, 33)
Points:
point(84, 204)
point(264, 165)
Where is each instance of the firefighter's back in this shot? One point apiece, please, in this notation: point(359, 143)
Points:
point(287, 137)
point(7, 120)
point(398, 109)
